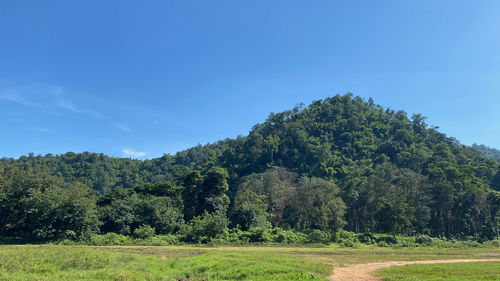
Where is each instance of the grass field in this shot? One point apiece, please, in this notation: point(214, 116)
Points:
point(55, 262)
point(442, 272)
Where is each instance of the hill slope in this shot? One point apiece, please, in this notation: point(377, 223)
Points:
point(487, 152)
point(395, 174)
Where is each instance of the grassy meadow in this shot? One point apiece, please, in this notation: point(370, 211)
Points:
point(57, 262)
point(443, 272)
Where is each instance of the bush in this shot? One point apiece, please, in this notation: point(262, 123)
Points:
point(382, 244)
point(347, 238)
point(259, 234)
point(110, 239)
point(406, 241)
point(144, 232)
point(386, 238)
point(318, 236)
point(231, 236)
point(423, 239)
point(493, 243)
point(366, 238)
point(288, 236)
point(158, 240)
point(205, 228)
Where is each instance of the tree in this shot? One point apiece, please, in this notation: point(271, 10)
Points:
point(37, 206)
point(60, 212)
point(162, 213)
point(249, 210)
point(277, 186)
point(205, 227)
point(213, 196)
point(191, 195)
point(128, 210)
point(319, 205)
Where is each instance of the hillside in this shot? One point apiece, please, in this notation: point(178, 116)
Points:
point(389, 173)
point(487, 152)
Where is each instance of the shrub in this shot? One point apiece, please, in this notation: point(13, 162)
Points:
point(346, 238)
point(366, 238)
point(423, 239)
point(388, 239)
point(259, 234)
point(382, 244)
point(318, 236)
point(231, 236)
point(144, 232)
point(158, 240)
point(110, 239)
point(205, 228)
point(406, 241)
point(493, 243)
point(288, 236)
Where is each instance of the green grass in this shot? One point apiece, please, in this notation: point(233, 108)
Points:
point(330, 255)
point(192, 263)
point(443, 272)
point(79, 263)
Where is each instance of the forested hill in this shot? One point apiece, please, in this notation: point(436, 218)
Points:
point(487, 152)
point(393, 172)
point(101, 172)
point(341, 138)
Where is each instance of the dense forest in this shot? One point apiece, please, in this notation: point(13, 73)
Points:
point(339, 163)
point(487, 152)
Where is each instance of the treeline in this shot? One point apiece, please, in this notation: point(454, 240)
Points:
point(340, 163)
point(39, 207)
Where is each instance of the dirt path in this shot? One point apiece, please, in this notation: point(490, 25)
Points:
point(363, 272)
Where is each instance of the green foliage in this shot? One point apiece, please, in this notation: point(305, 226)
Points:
point(339, 163)
point(144, 232)
point(191, 195)
point(347, 238)
point(249, 210)
point(423, 239)
point(258, 234)
point(113, 239)
point(277, 188)
point(60, 212)
point(318, 236)
point(38, 206)
point(487, 152)
point(110, 239)
point(385, 239)
point(407, 241)
point(162, 189)
point(202, 229)
point(366, 238)
point(261, 235)
point(124, 211)
point(319, 205)
point(289, 236)
point(213, 196)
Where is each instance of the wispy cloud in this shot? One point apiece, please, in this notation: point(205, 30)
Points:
point(123, 127)
point(127, 152)
point(13, 96)
point(69, 105)
point(54, 101)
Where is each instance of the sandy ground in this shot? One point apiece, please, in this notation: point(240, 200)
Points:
point(363, 272)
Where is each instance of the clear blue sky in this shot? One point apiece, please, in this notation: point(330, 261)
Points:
point(143, 78)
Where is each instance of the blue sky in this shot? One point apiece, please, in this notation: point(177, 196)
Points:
point(139, 79)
